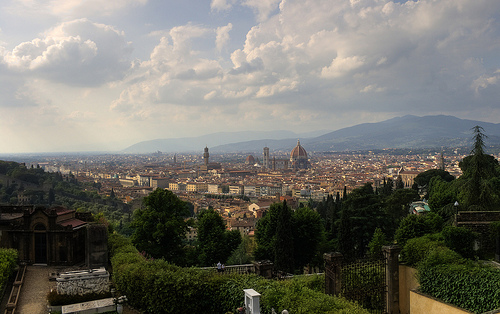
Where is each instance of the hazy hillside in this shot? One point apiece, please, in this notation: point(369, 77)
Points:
point(196, 144)
point(401, 132)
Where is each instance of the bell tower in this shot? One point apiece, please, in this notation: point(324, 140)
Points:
point(266, 158)
point(205, 156)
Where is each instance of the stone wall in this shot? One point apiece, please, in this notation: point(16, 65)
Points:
point(479, 222)
point(83, 282)
point(424, 304)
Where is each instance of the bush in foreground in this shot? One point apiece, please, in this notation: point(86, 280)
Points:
point(156, 286)
point(8, 263)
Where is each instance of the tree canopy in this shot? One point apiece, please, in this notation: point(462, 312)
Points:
point(478, 188)
point(289, 238)
point(159, 227)
point(215, 242)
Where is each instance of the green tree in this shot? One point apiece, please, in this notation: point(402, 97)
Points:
point(460, 240)
point(215, 242)
point(283, 243)
point(375, 245)
point(308, 232)
point(396, 206)
point(414, 226)
point(423, 179)
point(242, 254)
point(479, 169)
point(361, 214)
point(159, 227)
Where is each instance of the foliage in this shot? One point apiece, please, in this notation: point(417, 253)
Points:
point(8, 262)
point(283, 240)
point(289, 238)
point(417, 249)
point(215, 242)
point(395, 206)
point(414, 226)
point(308, 233)
point(155, 286)
point(242, 254)
point(361, 214)
point(376, 244)
point(460, 240)
point(466, 284)
point(478, 188)
point(423, 179)
point(160, 227)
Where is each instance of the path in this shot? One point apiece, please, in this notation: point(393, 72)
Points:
point(36, 286)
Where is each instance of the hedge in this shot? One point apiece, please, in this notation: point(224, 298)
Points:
point(8, 262)
point(155, 286)
point(464, 283)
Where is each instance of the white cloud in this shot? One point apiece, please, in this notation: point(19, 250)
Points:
point(263, 8)
point(222, 36)
point(222, 5)
point(485, 81)
point(346, 61)
point(79, 52)
point(342, 66)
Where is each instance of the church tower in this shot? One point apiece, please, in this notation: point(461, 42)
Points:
point(205, 156)
point(266, 157)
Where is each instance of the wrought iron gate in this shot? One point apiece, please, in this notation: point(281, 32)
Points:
point(364, 282)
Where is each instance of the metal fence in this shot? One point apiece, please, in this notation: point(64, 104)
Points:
point(364, 282)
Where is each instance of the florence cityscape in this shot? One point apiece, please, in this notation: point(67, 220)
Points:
point(242, 156)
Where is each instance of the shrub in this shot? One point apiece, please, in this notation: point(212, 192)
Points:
point(445, 275)
point(460, 240)
point(414, 226)
point(155, 286)
point(8, 262)
point(467, 285)
point(417, 249)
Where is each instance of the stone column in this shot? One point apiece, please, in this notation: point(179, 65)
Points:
point(264, 269)
point(333, 272)
point(391, 254)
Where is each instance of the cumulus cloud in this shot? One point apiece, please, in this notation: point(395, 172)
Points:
point(330, 54)
point(222, 5)
point(263, 8)
point(79, 52)
point(222, 36)
point(342, 66)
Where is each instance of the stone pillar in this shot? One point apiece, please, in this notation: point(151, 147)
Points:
point(391, 254)
point(96, 246)
point(333, 272)
point(264, 269)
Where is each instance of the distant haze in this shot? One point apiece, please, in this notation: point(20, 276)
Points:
point(402, 132)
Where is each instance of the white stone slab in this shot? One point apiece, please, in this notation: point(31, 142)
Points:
point(87, 306)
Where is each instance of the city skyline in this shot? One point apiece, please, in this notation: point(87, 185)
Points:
point(83, 75)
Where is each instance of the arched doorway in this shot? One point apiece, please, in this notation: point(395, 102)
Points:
point(40, 235)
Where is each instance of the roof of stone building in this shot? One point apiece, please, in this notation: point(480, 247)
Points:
point(298, 152)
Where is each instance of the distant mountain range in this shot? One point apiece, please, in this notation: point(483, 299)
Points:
point(401, 132)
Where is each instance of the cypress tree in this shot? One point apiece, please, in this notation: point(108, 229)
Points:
point(283, 243)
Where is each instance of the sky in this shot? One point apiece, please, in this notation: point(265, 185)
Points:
point(101, 75)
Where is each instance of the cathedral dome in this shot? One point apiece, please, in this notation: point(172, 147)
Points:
point(250, 160)
point(298, 152)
